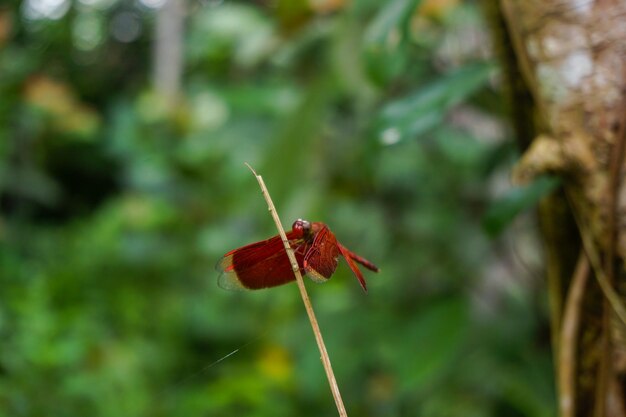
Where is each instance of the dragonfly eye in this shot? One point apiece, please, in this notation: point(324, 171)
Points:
point(301, 228)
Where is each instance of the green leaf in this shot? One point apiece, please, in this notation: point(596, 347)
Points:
point(433, 340)
point(385, 38)
point(504, 210)
point(306, 125)
point(419, 112)
point(393, 15)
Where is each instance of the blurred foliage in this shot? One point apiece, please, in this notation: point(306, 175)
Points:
point(503, 211)
point(382, 119)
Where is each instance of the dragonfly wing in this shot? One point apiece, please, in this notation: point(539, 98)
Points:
point(259, 265)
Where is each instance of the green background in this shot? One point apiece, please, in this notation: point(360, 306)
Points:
point(385, 120)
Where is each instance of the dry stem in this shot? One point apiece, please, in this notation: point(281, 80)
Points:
point(569, 338)
point(594, 258)
point(305, 298)
point(605, 376)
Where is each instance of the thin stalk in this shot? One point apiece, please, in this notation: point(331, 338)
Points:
point(594, 258)
point(569, 333)
point(334, 388)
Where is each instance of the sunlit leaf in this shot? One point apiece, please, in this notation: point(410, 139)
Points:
point(385, 38)
point(424, 109)
point(60, 104)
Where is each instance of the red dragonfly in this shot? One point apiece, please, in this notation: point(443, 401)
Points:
point(265, 264)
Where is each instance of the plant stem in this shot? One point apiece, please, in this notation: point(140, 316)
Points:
point(334, 388)
point(569, 333)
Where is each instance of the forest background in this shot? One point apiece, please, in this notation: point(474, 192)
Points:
point(124, 128)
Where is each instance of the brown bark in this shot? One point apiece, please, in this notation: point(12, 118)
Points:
point(571, 55)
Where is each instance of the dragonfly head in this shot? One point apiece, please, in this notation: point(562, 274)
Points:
point(301, 228)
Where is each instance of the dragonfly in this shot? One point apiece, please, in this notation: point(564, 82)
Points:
point(265, 264)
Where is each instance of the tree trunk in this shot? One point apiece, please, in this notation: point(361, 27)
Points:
point(565, 65)
point(168, 50)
